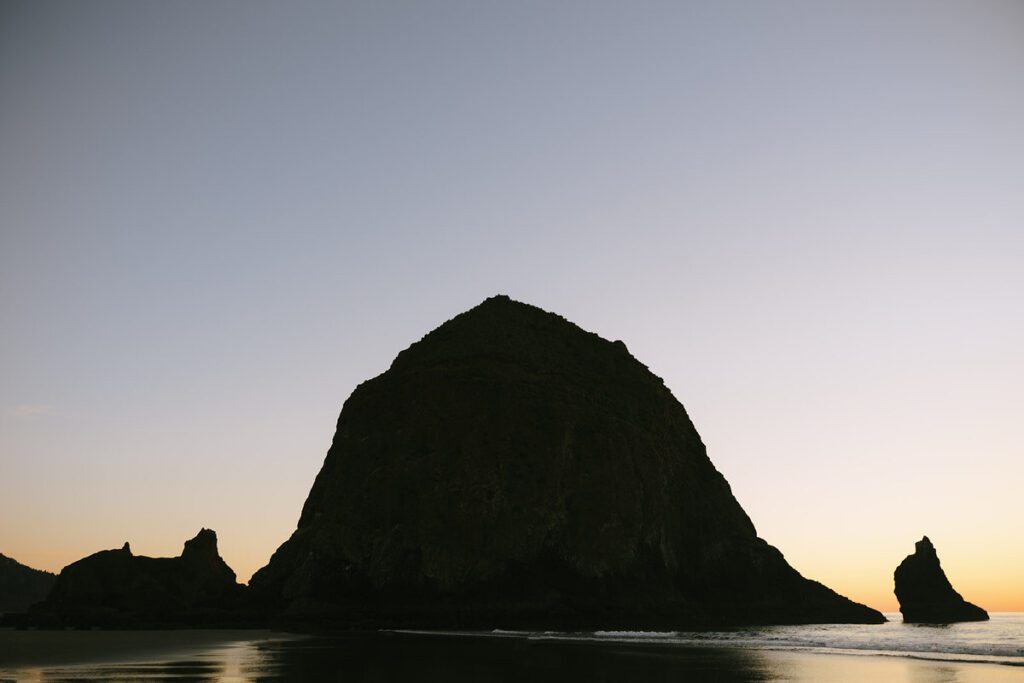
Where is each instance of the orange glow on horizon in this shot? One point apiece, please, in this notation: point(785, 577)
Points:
point(994, 589)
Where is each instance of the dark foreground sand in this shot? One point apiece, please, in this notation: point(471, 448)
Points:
point(35, 649)
point(221, 656)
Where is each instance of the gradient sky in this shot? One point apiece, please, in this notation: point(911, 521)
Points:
point(216, 219)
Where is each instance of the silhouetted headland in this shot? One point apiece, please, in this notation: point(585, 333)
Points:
point(926, 595)
point(513, 470)
point(118, 588)
point(21, 586)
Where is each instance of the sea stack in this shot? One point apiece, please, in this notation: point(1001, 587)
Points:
point(118, 588)
point(925, 594)
point(513, 470)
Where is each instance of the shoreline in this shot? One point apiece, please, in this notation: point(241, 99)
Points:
point(69, 647)
point(654, 643)
point(84, 655)
point(849, 667)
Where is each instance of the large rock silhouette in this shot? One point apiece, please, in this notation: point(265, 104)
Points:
point(926, 595)
point(512, 469)
point(117, 588)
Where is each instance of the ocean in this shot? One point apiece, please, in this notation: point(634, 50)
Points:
point(997, 641)
point(990, 651)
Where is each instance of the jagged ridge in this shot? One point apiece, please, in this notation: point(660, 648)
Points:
point(116, 587)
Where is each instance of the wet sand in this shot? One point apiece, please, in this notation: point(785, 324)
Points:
point(800, 667)
point(21, 649)
point(222, 656)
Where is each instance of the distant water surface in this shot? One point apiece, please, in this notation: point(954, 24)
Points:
point(998, 641)
point(961, 653)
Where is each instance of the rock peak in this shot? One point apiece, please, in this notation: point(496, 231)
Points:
point(502, 330)
point(201, 551)
point(504, 305)
point(204, 544)
point(925, 547)
point(498, 302)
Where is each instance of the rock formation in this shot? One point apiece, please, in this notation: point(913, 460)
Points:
point(115, 587)
point(925, 594)
point(21, 586)
point(512, 469)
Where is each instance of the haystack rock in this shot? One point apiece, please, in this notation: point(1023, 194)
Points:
point(926, 595)
point(513, 470)
point(116, 587)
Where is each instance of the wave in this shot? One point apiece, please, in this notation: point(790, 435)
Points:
point(1000, 641)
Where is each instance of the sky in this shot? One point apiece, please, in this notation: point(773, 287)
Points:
point(216, 219)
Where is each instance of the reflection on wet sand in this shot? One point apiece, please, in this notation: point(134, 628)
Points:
point(425, 658)
point(369, 658)
point(802, 667)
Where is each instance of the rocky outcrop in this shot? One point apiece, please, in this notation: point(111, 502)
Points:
point(925, 594)
point(116, 587)
point(512, 469)
point(21, 586)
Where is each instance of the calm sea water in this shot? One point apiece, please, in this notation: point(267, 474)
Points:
point(960, 653)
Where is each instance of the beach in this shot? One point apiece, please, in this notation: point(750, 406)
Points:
point(243, 656)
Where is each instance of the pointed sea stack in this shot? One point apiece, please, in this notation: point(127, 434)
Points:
point(117, 588)
point(513, 470)
point(926, 595)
